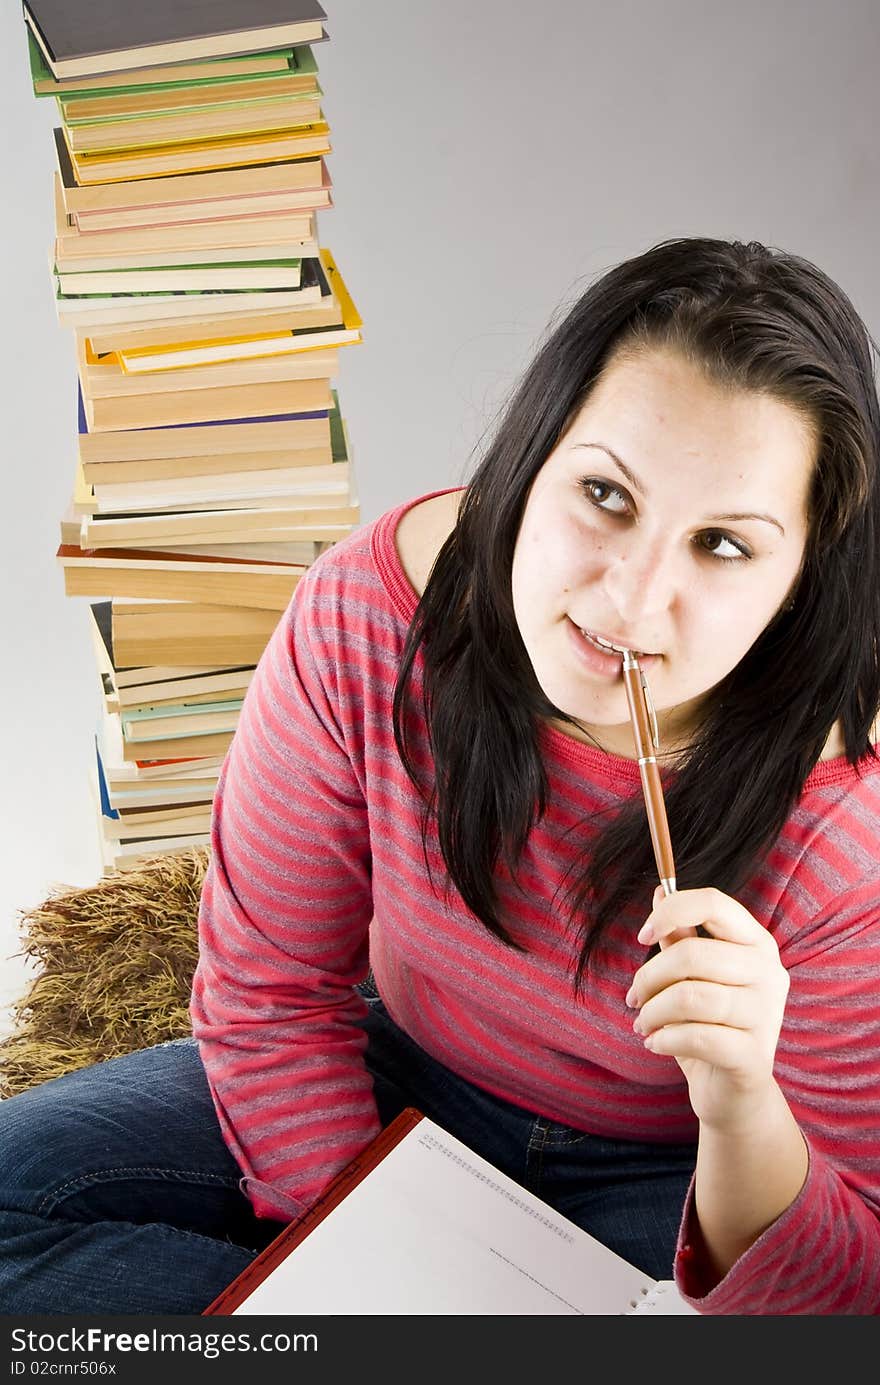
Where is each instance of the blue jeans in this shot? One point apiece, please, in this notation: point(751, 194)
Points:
point(118, 1195)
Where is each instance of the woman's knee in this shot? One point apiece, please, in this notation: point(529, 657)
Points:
point(57, 1135)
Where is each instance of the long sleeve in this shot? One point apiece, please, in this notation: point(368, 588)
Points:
point(283, 926)
point(318, 846)
point(822, 1256)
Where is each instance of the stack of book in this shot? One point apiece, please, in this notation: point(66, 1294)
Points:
point(213, 463)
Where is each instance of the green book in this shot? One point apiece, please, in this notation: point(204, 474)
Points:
point(299, 61)
point(338, 448)
point(181, 709)
point(244, 276)
point(161, 295)
point(261, 101)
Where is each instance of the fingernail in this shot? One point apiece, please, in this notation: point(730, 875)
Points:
point(646, 932)
point(658, 895)
point(632, 998)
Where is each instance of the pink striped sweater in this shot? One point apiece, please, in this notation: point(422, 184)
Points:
point(317, 848)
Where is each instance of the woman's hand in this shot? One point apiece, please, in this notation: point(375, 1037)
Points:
point(715, 1003)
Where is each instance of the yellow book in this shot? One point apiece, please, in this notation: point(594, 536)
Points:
point(255, 120)
point(219, 350)
point(199, 156)
point(215, 326)
point(350, 314)
point(104, 378)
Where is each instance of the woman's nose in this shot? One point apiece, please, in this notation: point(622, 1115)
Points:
point(641, 583)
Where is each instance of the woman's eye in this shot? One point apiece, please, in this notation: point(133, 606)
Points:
point(721, 545)
point(604, 496)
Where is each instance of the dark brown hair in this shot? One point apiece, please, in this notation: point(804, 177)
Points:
point(754, 319)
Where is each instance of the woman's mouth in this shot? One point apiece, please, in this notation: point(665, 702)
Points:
point(608, 645)
point(602, 654)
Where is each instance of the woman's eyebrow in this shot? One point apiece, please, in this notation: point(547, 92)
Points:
point(639, 486)
point(767, 519)
point(628, 473)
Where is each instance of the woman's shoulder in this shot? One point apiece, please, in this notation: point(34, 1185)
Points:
point(834, 746)
point(421, 532)
point(379, 570)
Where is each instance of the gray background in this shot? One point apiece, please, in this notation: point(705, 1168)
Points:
point(489, 160)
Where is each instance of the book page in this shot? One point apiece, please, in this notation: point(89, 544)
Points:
point(434, 1229)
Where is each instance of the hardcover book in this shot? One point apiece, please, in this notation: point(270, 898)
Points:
point(291, 175)
point(287, 341)
point(204, 405)
point(155, 97)
point(188, 633)
point(177, 126)
point(199, 449)
point(195, 156)
point(166, 278)
point(79, 37)
point(173, 577)
point(295, 63)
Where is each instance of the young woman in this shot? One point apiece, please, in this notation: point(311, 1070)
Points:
point(434, 781)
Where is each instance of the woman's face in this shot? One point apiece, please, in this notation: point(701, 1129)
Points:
point(670, 519)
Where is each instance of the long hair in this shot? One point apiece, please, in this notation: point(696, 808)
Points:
point(753, 319)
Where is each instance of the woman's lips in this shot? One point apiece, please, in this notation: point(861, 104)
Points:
point(602, 659)
point(608, 646)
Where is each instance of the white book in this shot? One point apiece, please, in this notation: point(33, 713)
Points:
point(421, 1225)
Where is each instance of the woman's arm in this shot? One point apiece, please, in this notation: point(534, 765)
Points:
point(784, 1210)
point(746, 1178)
point(283, 924)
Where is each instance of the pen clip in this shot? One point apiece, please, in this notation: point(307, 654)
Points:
point(649, 703)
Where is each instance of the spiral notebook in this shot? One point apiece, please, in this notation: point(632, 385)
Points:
point(420, 1224)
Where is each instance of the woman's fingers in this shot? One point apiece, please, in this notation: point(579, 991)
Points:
point(682, 913)
point(715, 1044)
point(699, 1002)
point(717, 997)
point(703, 959)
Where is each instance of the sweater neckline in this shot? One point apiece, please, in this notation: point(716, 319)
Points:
point(616, 769)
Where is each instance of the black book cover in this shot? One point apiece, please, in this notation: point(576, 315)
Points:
point(86, 28)
point(62, 154)
point(102, 615)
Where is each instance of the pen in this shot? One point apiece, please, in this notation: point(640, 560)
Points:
point(647, 739)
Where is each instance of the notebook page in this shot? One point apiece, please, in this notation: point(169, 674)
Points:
point(434, 1229)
